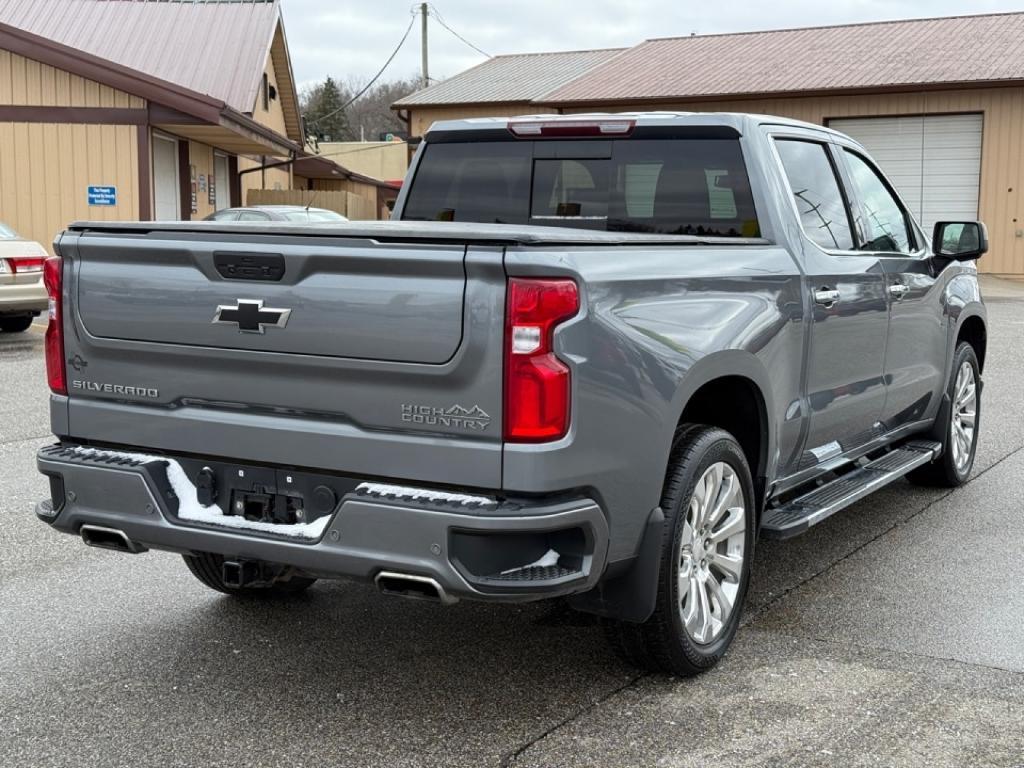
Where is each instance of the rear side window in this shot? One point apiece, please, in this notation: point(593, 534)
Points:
point(667, 186)
point(815, 189)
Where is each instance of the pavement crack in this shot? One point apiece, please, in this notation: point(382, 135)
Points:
point(898, 652)
point(514, 755)
point(28, 439)
point(764, 609)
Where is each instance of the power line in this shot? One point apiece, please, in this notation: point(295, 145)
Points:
point(440, 20)
point(380, 72)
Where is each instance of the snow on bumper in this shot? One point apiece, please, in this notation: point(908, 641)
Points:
point(377, 527)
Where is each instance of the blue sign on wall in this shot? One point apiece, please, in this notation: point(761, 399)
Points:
point(102, 195)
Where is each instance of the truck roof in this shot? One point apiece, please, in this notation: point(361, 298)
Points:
point(739, 121)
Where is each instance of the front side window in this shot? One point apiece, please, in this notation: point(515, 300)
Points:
point(881, 218)
point(665, 186)
point(816, 193)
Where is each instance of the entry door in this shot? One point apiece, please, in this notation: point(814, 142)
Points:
point(845, 289)
point(166, 185)
point(916, 345)
point(221, 181)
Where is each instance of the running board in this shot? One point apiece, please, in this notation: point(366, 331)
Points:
point(824, 501)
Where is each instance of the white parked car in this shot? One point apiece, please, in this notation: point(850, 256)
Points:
point(22, 294)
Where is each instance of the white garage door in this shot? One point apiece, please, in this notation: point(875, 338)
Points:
point(934, 161)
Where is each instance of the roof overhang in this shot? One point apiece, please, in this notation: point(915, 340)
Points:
point(286, 82)
point(316, 167)
point(793, 94)
point(172, 108)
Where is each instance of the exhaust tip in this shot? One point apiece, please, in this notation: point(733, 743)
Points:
point(109, 538)
point(412, 586)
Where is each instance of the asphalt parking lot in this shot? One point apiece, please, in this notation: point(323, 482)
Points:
point(893, 634)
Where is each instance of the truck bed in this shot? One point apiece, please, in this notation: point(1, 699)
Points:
point(420, 231)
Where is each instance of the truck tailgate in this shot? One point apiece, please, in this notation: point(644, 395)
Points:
point(387, 361)
point(400, 303)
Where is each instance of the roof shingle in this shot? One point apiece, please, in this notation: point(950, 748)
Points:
point(515, 77)
point(882, 54)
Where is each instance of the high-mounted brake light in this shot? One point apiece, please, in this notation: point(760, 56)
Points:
point(537, 383)
point(21, 265)
point(54, 343)
point(570, 128)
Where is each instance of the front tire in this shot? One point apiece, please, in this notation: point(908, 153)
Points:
point(707, 548)
point(209, 569)
point(959, 430)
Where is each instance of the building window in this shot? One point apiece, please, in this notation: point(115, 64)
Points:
point(266, 92)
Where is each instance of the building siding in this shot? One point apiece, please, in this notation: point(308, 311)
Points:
point(46, 167)
point(273, 118)
point(24, 82)
point(421, 119)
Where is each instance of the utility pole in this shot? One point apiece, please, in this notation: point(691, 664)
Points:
point(423, 43)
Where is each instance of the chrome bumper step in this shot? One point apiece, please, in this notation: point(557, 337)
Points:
point(796, 516)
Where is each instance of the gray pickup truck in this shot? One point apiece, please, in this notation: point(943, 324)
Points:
point(593, 358)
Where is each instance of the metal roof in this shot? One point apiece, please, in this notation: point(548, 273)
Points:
point(962, 49)
point(218, 49)
point(517, 77)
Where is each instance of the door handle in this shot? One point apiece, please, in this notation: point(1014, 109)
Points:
point(898, 291)
point(826, 296)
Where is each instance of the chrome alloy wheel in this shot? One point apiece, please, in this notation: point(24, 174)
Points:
point(711, 551)
point(965, 410)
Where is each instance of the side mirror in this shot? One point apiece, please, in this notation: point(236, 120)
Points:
point(960, 240)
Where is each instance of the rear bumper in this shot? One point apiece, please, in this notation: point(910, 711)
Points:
point(23, 297)
point(481, 552)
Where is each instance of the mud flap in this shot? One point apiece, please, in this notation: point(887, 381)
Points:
point(631, 595)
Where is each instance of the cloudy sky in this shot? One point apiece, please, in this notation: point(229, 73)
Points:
point(351, 39)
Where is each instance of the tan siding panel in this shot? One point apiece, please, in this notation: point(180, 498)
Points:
point(25, 82)
point(45, 169)
point(422, 119)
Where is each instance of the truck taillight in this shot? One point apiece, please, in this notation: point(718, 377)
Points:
point(55, 373)
point(537, 383)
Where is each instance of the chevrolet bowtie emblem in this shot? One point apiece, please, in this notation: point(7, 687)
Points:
point(251, 316)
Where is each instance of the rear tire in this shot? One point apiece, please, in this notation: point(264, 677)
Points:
point(961, 421)
point(15, 324)
point(209, 569)
point(707, 548)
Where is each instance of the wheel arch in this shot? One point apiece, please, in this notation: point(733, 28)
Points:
point(973, 329)
point(731, 390)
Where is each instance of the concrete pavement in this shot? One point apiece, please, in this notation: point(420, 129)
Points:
point(892, 634)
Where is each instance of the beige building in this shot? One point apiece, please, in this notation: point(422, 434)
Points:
point(938, 102)
point(115, 109)
point(387, 160)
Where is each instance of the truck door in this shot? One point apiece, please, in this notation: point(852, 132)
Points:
point(845, 286)
point(916, 346)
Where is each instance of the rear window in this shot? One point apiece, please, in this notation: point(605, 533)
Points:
point(6, 233)
point(667, 186)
